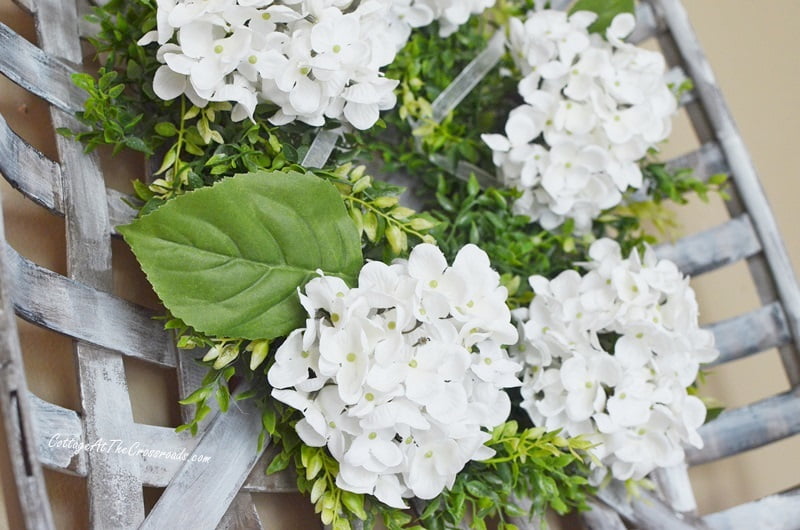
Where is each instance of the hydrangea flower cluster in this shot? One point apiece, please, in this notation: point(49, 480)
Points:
point(401, 376)
point(610, 355)
point(593, 107)
point(450, 13)
point(314, 59)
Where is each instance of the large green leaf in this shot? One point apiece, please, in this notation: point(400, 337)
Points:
point(606, 11)
point(228, 259)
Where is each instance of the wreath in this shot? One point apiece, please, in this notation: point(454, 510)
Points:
point(496, 340)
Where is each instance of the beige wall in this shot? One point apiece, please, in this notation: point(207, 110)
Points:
point(752, 48)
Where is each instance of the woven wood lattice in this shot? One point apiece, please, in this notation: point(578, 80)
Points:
point(217, 494)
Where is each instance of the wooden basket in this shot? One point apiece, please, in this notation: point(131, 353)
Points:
point(211, 487)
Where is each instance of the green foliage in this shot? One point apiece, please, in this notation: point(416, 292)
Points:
point(110, 123)
point(530, 464)
point(228, 259)
point(606, 11)
point(374, 207)
point(121, 109)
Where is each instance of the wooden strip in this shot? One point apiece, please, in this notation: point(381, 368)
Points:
point(210, 487)
point(74, 309)
point(16, 412)
point(777, 512)
point(704, 162)
point(647, 25)
point(676, 488)
point(57, 428)
point(28, 5)
point(601, 517)
point(119, 210)
point(781, 274)
point(748, 427)
point(754, 332)
point(717, 247)
point(282, 482)
point(59, 437)
point(647, 510)
point(29, 171)
point(114, 480)
point(241, 515)
point(469, 78)
point(35, 71)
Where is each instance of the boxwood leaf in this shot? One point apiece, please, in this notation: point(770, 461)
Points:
point(606, 11)
point(228, 259)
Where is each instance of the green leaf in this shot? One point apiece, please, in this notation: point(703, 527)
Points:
point(227, 260)
point(279, 463)
point(606, 11)
point(355, 503)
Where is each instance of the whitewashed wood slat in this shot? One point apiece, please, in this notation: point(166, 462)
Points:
point(750, 191)
point(16, 410)
point(706, 161)
point(29, 171)
point(56, 428)
point(39, 73)
point(39, 178)
point(676, 488)
point(28, 5)
point(647, 510)
point(751, 333)
point(712, 249)
point(242, 515)
point(749, 427)
point(776, 512)
point(114, 480)
point(647, 24)
point(70, 307)
point(210, 487)
point(601, 517)
point(120, 211)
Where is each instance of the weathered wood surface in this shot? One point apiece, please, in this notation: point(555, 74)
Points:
point(750, 333)
point(676, 488)
point(29, 171)
point(114, 480)
point(16, 410)
point(706, 161)
point(647, 510)
point(210, 487)
point(777, 512)
point(722, 245)
point(71, 307)
point(749, 190)
point(748, 427)
point(38, 72)
point(601, 517)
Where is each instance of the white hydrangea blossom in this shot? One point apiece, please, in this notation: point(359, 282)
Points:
point(402, 376)
point(450, 13)
point(610, 355)
point(593, 107)
point(314, 59)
